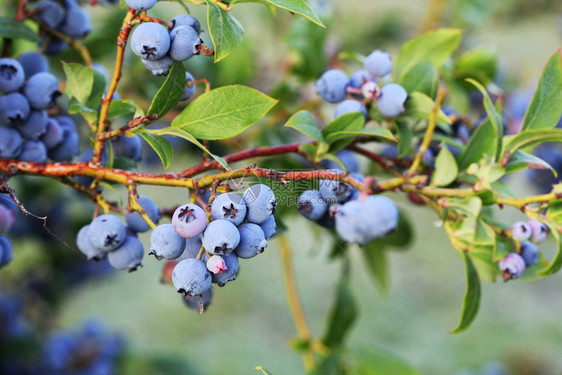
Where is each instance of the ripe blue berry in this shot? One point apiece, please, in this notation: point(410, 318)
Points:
point(521, 231)
point(10, 143)
point(76, 23)
point(6, 218)
point(378, 63)
point(312, 205)
point(50, 12)
point(350, 106)
point(189, 90)
point(190, 277)
point(68, 148)
point(32, 63)
point(136, 222)
point(269, 227)
point(107, 232)
point(261, 203)
point(34, 151)
point(160, 67)
point(66, 123)
point(334, 191)
point(34, 126)
point(512, 266)
point(539, 231)
point(5, 251)
point(391, 100)
point(530, 253)
point(229, 206)
point(252, 241)
point(86, 246)
point(53, 134)
point(186, 20)
point(150, 41)
point(359, 78)
point(189, 220)
point(11, 75)
point(232, 265)
point(215, 264)
point(14, 109)
point(331, 86)
point(183, 43)
point(192, 248)
point(220, 237)
point(54, 45)
point(166, 243)
point(200, 303)
point(128, 256)
point(140, 4)
point(42, 90)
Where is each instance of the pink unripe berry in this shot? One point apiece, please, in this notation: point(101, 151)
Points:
point(215, 264)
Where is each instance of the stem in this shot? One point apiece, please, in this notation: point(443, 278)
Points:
point(294, 301)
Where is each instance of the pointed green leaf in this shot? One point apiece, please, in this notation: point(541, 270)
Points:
point(419, 106)
point(300, 7)
point(377, 262)
point(124, 107)
point(446, 169)
point(342, 316)
point(170, 92)
point(161, 146)
point(98, 89)
point(405, 138)
point(226, 32)
point(224, 112)
point(521, 160)
point(479, 64)
point(304, 122)
point(79, 81)
point(422, 77)
point(10, 28)
point(351, 134)
point(482, 142)
point(349, 121)
point(471, 300)
point(531, 137)
point(545, 109)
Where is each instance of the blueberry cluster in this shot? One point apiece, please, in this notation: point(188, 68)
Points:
point(107, 236)
point(64, 16)
point(528, 234)
point(27, 132)
point(208, 252)
point(7, 207)
point(334, 86)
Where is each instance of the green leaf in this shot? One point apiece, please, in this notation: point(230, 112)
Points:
point(160, 145)
point(307, 42)
point(74, 106)
point(471, 301)
point(419, 106)
point(98, 89)
point(554, 212)
point(304, 122)
point(329, 365)
point(226, 32)
point(521, 160)
point(300, 7)
point(342, 316)
point(556, 263)
point(123, 107)
point(309, 149)
point(10, 28)
point(377, 361)
point(531, 137)
point(446, 169)
point(482, 142)
point(546, 106)
point(178, 132)
point(377, 262)
point(224, 112)
point(79, 81)
point(405, 138)
point(170, 92)
point(422, 77)
point(479, 64)
point(348, 122)
point(434, 46)
point(352, 134)
point(493, 115)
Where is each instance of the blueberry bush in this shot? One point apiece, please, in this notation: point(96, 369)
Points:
point(88, 110)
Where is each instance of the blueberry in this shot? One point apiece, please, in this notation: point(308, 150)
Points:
point(530, 253)
point(34, 126)
point(50, 12)
point(186, 20)
point(261, 203)
point(361, 221)
point(54, 46)
point(189, 220)
point(269, 227)
point(33, 151)
point(331, 86)
point(200, 303)
point(391, 100)
point(192, 248)
point(42, 90)
point(190, 277)
point(378, 63)
point(220, 237)
point(150, 41)
point(66, 123)
point(68, 148)
point(327, 220)
point(183, 43)
point(229, 206)
point(252, 241)
point(140, 4)
point(334, 191)
point(350, 106)
point(189, 90)
point(5, 251)
point(521, 231)
point(128, 256)
point(86, 246)
point(11, 75)
point(32, 63)
point(359, 78)
point(215, 264)
point(136, 222)
point(312, 205)
point(232, 264)
point(348, 159)
point(76, 23)
point(539, 231)
point(6, 218)
point(160, 67)
point(53, 134)
point(107, 232)
point(512, 266)
point(128, 147)
point(10, 143)
point(14, 109)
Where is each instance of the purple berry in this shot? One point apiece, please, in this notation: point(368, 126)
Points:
point(540, 231)
point(189, 220)
point(521, 231)
point(512, 266)
point(215, 264)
